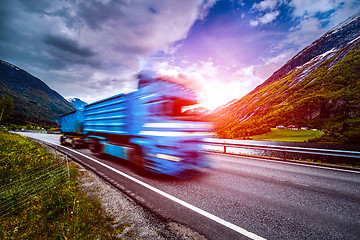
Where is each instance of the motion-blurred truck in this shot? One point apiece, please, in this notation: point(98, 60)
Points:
point(147, 127)
point(71, 126)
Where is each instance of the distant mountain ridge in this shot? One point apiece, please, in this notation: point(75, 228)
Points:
point(224, 106)
point(77, 103)
point(199, 111)
point(318, 88)
point(32, 97)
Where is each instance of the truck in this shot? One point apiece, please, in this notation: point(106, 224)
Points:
point(148, 127)
point(71, 127)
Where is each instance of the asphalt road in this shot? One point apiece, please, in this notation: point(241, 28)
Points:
point(243, 197)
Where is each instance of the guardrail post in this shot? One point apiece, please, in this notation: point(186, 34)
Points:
point(224, 149)
point(284, 155)
point(67, 163)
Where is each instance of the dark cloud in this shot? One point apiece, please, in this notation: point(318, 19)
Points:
point(68, 45)
point(92, 45)
point(69, 18)
point(62, 53)
point(95, 14)
point(36, 6)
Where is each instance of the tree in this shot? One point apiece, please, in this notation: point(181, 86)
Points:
point(6, 107)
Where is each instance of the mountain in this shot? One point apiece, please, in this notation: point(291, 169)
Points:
point(317, 88)
point(77, 103)
point(33, 99)
point(224, 106)
point(199, 111)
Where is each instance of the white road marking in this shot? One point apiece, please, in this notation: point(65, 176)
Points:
point(181, 202)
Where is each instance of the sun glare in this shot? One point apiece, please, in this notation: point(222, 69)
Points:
point(215, 95)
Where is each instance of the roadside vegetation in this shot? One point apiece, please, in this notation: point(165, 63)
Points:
point(49, 207)
point(28, 127)
point(18, 122)
point(288, 135)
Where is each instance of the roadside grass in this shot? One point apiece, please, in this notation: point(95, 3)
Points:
point(288, 135)
point(50, 206)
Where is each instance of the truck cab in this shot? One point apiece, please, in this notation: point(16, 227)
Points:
point(171, 140)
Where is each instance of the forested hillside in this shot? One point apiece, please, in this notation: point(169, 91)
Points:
point(33, 99)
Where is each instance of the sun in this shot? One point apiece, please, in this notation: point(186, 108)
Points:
point(215, 94)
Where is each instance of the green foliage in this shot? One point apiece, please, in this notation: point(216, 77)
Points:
point(326, 98)
point(53, 129)
point(18, 154)
point(288, 135)
point(60, 212)
point(19, 119)
point(6, 107)
point(347, 131)
point(15, 127)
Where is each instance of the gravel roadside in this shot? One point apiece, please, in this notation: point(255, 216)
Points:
point(140, 223)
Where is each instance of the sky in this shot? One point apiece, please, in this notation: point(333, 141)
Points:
point(93, 49)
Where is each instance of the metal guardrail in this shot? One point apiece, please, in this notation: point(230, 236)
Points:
point(286, 149)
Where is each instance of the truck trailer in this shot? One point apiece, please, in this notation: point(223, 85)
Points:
point(147, 127)
point(71, 126)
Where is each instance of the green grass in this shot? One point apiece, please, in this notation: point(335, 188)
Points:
point(48, 207)
point(287, 135)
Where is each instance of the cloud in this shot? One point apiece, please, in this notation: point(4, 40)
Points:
point(68, 45)
point(254, 23)
point(265, 19)
point(310, 7)
point(195, 76)
point(265, 5)
point(312, 20)
point(345, 10)
point(271, 64)
point(247, 76)
point(306, 32)
point(75, 46)
point(203, 78)
point(269, 7)
point(269, 17)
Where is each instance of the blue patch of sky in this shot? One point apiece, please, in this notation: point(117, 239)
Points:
point(225, 23)
point(324, 17)
point(226, 37)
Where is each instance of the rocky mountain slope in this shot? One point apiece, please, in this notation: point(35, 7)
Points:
point(318, 88)
point(33, 99)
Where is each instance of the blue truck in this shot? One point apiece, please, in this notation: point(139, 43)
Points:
point(147, 127)
point(71, 126)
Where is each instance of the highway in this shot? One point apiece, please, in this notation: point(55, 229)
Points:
point(242, 197)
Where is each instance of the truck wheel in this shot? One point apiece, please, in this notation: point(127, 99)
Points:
point(99, 151)
point(96, 148)
point(62, 140)
point(73, 143)
point(92, 146)
point(136, 157)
